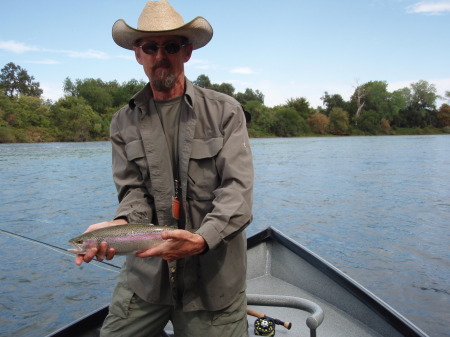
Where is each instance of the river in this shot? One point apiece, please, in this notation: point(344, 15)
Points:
point(378, 208)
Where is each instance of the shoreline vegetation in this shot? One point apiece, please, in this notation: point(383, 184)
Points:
point(85, 112)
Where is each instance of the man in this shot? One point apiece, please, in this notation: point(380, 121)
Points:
point(180, 157)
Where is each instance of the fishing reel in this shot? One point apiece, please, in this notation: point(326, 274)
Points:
point(264, 327)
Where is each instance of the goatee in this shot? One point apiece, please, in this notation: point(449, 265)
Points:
point(162, 79)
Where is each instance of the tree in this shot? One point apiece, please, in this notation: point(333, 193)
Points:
point(15, 81)
point(224, 88)
point(301, 105)
point(202, 81)
point(420, 108)
point(369, 121)
point(443, 116)
point(358, 99)
point(333, 101)
point(287, 122)
point(423, 96)
point(339, 122)
point(319, 123)
point(250, 95)
point(75, 120)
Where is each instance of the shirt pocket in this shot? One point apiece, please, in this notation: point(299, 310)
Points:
point(135, 154)
point(203, 177)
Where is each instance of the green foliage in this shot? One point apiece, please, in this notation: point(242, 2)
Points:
point(102, 95)
point(370, 122)
point(86, 111)
point(287, 122)
point(339, 122)
point(333, 101)
point(301, 105)
point(75, 120)
point(250, 95)
point(203, 81)
point(7, 135)
point(15, 81)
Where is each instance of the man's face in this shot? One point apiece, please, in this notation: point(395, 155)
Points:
point(163, 67)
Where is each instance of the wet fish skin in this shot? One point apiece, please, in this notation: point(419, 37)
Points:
point(125, 239)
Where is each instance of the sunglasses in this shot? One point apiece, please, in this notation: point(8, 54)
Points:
point(169, 47)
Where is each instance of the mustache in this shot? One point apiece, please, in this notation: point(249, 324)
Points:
point(162, 63)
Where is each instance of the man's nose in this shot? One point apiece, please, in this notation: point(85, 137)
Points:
point(160, 53)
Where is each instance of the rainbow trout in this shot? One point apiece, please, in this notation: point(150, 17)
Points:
point(125, 239)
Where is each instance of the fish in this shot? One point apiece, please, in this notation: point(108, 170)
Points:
point(125, 239)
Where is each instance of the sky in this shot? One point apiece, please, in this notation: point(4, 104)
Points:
point(285, 49)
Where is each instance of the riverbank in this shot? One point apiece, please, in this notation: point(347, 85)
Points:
point(9, 135)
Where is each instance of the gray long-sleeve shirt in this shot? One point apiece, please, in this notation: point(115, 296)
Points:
point(216, 173)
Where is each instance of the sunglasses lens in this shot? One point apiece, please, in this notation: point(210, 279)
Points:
point(150, 48)
point(172, 48)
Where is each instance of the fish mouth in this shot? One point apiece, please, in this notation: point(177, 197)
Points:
point(79, 249)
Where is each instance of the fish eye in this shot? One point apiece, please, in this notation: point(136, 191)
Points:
point(79, 241)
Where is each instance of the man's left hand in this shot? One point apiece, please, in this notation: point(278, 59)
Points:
point(179, 243)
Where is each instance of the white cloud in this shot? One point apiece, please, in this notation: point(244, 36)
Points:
point(431, 8)
point(127, 57)
point(48, 61)
point(243, 70)
point(19, 47)
point(16, 47)
point(200, 64)
point(89, 54)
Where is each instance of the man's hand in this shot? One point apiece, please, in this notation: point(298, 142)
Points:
point(103, 251)
point(179, 243)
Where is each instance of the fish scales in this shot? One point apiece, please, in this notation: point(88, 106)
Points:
point(125, 239)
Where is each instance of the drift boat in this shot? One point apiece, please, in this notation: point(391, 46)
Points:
point(292, 284)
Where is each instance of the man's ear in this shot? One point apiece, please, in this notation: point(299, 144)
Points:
point(188, 53)
point(137, 54)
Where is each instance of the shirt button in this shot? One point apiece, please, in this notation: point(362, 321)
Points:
point(172, 279)
point(172, 269)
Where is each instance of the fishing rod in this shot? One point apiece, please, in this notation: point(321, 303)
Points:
point(264, 325)
point(53, 247)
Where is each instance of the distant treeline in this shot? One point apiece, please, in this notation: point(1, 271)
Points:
point(84, 113)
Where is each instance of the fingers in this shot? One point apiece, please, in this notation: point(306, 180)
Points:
point(99, 253)
point(106, 224)
point(178, 244)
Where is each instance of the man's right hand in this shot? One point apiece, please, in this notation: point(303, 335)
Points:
point(103, 251)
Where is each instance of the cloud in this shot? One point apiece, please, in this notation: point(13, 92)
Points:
point(19, 47)
point(200, 64)
point(16, 47)
point(89, 54)
point(44, 62)
point(243, 70)
point(430, 8)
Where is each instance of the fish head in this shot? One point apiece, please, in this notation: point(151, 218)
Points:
point(82, 245)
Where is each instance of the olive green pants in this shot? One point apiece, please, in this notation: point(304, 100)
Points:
point(130, 316)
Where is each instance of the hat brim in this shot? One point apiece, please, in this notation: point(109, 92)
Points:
point(198, 31)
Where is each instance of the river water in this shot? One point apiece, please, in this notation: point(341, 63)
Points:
point(378, 208)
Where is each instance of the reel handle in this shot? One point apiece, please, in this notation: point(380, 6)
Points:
point(257, 314)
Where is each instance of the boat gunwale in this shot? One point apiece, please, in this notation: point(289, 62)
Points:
point(377, 305)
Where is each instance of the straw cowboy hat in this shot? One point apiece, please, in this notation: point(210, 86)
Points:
point(159, 18)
